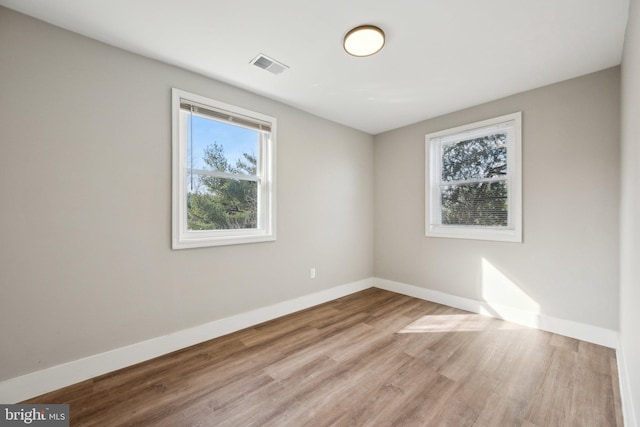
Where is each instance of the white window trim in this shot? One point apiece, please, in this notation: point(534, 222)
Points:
point(433, 145)
point(182, 238)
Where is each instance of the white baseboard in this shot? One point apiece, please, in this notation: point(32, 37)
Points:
point(581, 331)
point(40, 382)
point(628, 411)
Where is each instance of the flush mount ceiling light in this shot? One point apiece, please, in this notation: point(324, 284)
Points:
point(364, 40)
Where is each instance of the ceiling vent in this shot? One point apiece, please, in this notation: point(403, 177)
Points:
point(269, 64)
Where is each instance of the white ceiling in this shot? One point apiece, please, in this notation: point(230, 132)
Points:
point(440, 55)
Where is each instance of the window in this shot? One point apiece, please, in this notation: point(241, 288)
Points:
point(223, 173)
point(474, 181)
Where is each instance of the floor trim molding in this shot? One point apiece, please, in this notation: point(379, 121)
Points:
point(36, 383)
point(628, 412)
point(581, 331)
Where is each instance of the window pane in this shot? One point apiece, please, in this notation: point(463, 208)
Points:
point(475, 204)
point(221, 203)
point(214, 145)
point(483, 157)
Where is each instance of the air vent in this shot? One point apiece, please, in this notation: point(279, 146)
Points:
point(269, 64)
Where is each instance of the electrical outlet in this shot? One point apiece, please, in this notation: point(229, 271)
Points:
point(312, 273)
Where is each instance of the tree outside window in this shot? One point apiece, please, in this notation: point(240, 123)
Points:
point(224, 186)
point(474, 181)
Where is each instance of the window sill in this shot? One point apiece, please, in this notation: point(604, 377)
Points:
point(201, 242)
point(475, 233)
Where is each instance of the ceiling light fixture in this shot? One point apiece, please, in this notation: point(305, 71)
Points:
point(364, 40)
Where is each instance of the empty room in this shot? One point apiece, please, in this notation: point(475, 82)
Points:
point(288, 213)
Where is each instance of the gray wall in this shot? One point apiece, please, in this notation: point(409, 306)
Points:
point(630, 209)
point(85, 177)
point(568, 263)
point(85, 184)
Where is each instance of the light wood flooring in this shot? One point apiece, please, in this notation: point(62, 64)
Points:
point(374, 358)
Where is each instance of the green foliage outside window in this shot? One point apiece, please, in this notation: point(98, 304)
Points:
point(215, 203)
point(475, 203)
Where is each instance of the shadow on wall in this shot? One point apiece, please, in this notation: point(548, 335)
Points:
point(501, 298)
point(505, 299)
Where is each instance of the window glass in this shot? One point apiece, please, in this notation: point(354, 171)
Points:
point(474, 181)
point(223, 173)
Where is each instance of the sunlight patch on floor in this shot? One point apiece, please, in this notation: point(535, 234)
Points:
point(445, 323)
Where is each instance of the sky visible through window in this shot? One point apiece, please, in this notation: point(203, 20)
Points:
point(234, 139)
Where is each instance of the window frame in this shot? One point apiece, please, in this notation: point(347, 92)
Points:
point(182, 237)
point(433, 177)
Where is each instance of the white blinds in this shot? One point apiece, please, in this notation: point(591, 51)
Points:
point(224, 116)
point(474, 133)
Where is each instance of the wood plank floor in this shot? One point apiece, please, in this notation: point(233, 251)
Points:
point(374, 358)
